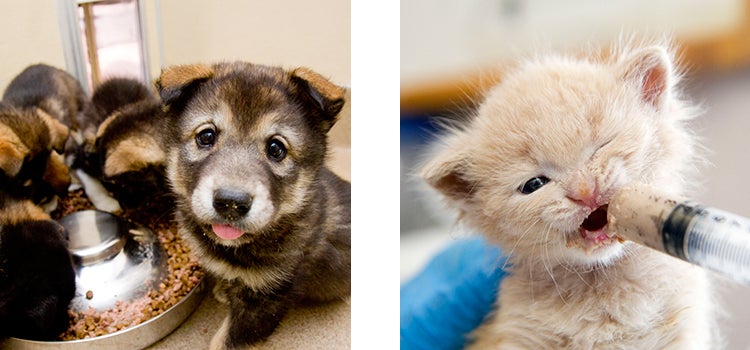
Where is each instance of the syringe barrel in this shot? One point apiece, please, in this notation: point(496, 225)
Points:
point(709, 237)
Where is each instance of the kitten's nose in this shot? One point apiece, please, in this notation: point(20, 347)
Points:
point(585, 192)
point(232, 204)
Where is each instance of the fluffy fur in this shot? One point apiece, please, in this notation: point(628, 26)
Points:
point(52, 90)
point(227, 125)
point(37, 278)
point(127, 154)
point(30, 166)
point(534, 170)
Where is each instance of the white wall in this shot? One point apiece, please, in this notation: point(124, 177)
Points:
point(28, 34)
point(287, 33)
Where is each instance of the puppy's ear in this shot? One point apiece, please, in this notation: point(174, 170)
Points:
point(12, 151)
point(178, 81)
point(324, 95)
point(56, 174)
point(58, 132)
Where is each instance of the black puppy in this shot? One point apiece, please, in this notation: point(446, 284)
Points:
point(37, 278)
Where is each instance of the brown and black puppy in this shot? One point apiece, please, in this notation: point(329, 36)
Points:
point(42, 92)
point(130, 144)
point(31, 164)
point(55, 92)
point(115, 93)
point(245, 151)
point(126, 153)
point(109, 97)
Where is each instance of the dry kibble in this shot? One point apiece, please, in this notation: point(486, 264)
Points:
point(184, 273)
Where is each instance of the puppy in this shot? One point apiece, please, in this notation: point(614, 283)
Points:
point(30, 163)
point(109, 97)
point(49, 94)
point(131, 153)
point(246, 146)
point(55, 92)
point(126, 154)
point(37, 277)
point(115, 93)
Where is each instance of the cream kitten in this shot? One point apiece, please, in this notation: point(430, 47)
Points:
point(534, 171)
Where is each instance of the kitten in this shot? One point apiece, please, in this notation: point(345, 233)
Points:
point(534, 171)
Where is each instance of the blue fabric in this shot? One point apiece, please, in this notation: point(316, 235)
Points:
point(451, 296)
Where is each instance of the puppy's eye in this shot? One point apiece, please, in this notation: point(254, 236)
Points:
point(276, 149)
point(533, 184)
point(206, 138)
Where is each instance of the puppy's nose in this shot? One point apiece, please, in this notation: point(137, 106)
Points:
point(232, 204)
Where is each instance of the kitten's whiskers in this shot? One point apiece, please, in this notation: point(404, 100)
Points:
point(568, 266)
point(525, 232)
point(547, 266)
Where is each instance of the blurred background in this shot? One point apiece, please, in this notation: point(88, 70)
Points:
point(453, 50)
point(94, 39)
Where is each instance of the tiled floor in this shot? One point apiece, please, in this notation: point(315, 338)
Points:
point(724, 127)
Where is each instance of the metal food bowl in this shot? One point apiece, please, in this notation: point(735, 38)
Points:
point(115, 260)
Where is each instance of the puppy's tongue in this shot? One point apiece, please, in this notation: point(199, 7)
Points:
point(226, 231)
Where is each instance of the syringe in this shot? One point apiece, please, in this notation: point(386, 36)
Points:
point(705, 236)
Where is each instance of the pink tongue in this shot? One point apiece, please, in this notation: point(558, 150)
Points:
point(226, 231)
point(594, 236)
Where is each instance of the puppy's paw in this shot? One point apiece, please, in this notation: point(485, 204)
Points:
point(219, 341)
point(221, 291)
point(97, 193)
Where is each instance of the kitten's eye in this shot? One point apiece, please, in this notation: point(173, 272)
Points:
point(276, 149)
point(533, 184)
point(206, 138)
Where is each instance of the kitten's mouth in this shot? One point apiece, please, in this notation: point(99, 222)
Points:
point(596, 220)
point(594, 232)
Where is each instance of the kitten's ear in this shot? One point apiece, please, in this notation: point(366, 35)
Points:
point(446, 172)
point(651, 69)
